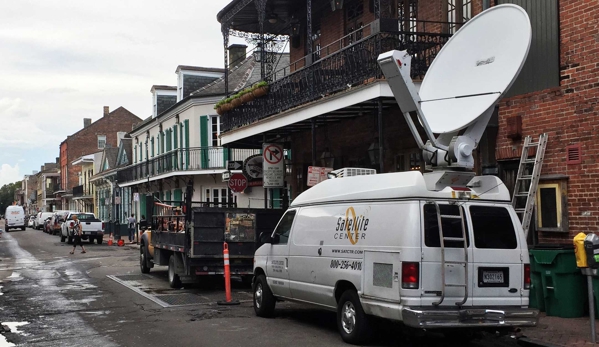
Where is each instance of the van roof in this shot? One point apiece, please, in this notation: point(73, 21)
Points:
point(399, 185)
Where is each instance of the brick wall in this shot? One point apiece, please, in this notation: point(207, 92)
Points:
point(349, 141)
point(85, 141)
point(568, 114)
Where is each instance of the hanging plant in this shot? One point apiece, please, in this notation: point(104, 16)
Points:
point(260, 89)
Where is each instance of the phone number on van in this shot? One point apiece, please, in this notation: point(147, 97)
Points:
point(346, 264)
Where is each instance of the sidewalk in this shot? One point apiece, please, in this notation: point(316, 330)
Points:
point(555, 331)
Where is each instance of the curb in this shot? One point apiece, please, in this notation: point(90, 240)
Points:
point(527, 342)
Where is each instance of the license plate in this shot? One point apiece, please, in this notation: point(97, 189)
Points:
point(493, 276)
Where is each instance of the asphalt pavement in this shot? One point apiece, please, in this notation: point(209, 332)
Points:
point(51, 298)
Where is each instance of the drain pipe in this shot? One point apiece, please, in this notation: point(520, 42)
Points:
point(486, 4)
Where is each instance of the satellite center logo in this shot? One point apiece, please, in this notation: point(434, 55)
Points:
point(352, 227)
point(485, 62)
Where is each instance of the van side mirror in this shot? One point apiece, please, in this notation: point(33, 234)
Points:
point(265, 238)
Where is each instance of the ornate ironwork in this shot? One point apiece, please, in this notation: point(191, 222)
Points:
point(309, 26)
point(225, 31)
point(350, 66)
point(183, 159)
point(377, 9)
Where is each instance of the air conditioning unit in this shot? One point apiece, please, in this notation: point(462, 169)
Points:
point(351, 171)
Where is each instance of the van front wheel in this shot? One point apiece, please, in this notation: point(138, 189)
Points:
point(352, 322)
point(264, 301)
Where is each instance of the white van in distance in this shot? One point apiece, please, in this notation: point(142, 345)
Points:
point(443, 250)
point(15, 217)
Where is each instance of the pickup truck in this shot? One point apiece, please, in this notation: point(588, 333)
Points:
point(91, 227)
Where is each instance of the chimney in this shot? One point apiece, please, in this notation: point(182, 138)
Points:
point(106, 111)
point(236, 54)
point(87, 122)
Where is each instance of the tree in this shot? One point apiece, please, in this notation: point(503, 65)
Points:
point(7, 195)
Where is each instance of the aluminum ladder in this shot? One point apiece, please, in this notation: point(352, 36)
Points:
point(444, 263)
point(527, 180)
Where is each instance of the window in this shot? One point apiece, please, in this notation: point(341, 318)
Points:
point(458, 13)
point(101, 141)
point(353, 21)
point(551, 207)
point(218, 197)
point(493, 228)
point(451, 227)
point(214, 129)
point(284, 227)
point(407, 11)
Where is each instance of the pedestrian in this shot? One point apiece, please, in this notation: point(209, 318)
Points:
point(77, 235)
point(131, 220)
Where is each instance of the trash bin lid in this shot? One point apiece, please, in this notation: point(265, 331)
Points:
point(546, 253)
point(552, 246)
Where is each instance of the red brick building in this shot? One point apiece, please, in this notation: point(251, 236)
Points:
point(92, 138)
point(335, 105)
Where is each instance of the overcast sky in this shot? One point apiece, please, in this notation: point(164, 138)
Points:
point(63, 60)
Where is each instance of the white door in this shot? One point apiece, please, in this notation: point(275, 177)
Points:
point(432, 269)
point(216, 153)
point(216, 196)
point(497, 259)
point(277, 268)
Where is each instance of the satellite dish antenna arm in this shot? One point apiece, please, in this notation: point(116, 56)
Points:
point(396, 68)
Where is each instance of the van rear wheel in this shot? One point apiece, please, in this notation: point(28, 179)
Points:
point(264, 301)
point(352, 322)
point(173, 279)
point(143, 260)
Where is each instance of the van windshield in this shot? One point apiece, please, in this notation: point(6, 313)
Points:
point(493, 227)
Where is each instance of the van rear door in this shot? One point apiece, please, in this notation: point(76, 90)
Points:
point(497, 255)
point(432, 269)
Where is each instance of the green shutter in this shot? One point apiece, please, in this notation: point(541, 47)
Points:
point(204, 141)
point(152, 144)
point(142, 205)
point(178, 194)
point(135, 154)
point(276, 195)
point(175, 156)
point(187, 144)
point(168, 196)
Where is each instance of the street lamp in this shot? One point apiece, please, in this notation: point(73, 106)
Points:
point(258, 52)
point(337, 5)
point(327, 159)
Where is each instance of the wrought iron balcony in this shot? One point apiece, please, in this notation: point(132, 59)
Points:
point(345, 63)
point(80, 191)
point(183, 159)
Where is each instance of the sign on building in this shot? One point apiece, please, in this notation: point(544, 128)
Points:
point(273, 165)
point(317, 174)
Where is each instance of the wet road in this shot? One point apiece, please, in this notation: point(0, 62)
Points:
point(51, 298)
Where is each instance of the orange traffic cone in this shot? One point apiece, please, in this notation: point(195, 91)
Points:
point(110, 239)
point(228, 300)
point(121, 243)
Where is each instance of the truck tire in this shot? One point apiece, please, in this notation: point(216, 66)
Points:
point(352, 322)
point(62, 238)
point(100, 239)
point(173, 279)
point(264, 301)
point(143, 260)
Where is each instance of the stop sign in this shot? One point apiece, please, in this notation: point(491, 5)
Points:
point(238, 182)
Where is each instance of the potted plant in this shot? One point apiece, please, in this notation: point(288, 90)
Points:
point(247, 95)
point(219, 107)
point(260, 89)
point(236, 100)
point(226, 107)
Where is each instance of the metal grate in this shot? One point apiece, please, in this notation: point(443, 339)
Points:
point(133, 277)
point(181, 299)
point(382, 275)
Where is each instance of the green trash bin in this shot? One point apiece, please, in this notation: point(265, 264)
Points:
point(557, 286)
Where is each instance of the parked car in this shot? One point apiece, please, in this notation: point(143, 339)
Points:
point(92, 227)
point(56, 222)
point(15, 217)
point(46, 225)
point(30, 221)
point(40, 218)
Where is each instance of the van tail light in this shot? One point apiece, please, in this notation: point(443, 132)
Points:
point(526, 276)
point(102, 225)
point(410, 275)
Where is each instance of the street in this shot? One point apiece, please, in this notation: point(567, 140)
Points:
point(52, 298)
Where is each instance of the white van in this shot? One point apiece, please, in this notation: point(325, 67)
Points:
point(371, 246)
point(15, 217)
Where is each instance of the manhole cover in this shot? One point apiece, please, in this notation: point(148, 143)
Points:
point(133, 277)
point(181, 299)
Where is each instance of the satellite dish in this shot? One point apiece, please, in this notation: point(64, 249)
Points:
point(475, 68)
point(464, 82)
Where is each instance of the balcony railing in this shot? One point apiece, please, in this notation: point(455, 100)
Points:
point(80, 191)
point(352, 65)
point(184, 159)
